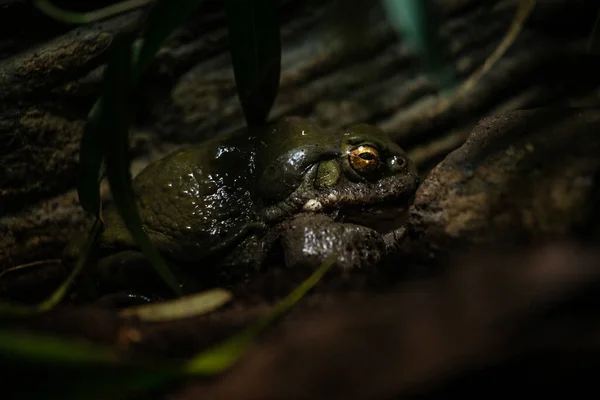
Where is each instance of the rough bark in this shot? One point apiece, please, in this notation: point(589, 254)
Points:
point(520, 178)
point(49, 77)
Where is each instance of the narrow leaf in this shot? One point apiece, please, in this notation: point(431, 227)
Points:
point(221, 357)
point(161, 21)
point(414, 19)
point(74, 369)
point(164, 17)
point(524, 9)
point(183, 307)
point(91, 164)
point(255, 47)
point(114, 128)
point(25, 345)
point(57, 13)
point(72, 17)
point(82, 260)
point(61, 291)
point(592, 37)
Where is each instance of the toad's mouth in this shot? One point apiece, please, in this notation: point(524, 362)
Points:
point(382, 217)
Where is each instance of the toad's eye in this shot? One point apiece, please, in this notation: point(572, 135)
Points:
point(364, 159)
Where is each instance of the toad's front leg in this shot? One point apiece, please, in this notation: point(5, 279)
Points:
point(309, 239)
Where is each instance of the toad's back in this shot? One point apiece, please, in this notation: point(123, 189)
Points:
point(191, 200)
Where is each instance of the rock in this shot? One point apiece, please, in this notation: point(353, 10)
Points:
point(521, 177)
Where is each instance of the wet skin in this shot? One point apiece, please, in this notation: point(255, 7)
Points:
point(223, 206)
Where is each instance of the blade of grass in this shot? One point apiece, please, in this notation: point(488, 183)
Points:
point(74, 369)
point(25, 345)
point(59, 293)
point(183, 307)
point(161, 21)
point(415, 19)
point(164, 17)
point(524, 9)
point(91, 165)
point(590, 42)
point(221, 357)
point(32, 264)
point(77, 369)
point(448, 101)
point(255, 47)
point(114, 128)
point(72, 17)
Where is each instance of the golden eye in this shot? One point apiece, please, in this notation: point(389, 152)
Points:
point(364, 158)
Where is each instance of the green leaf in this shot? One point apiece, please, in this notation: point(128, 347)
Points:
point(59, 293)
point(161, 21)
point(524, 10)
point(592, 37)
point(164, 17)
point(414, 19)
point(59, 14)
point(113, 126)
point(183, 307)
point(91, 164)
point(73, 369)
point(255, 47)
point(71, 17)
point(28, 346)
point(221, 357)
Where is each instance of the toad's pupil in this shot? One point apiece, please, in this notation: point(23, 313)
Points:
point(367, 156)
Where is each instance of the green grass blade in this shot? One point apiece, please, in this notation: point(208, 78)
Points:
point(72, 17)
point(63, 368)
point(592, 37)
point(74, 369)
point(114, 128)
point(28, 346)
point(221, 357)
point(59, 14)
point(524, 10)
point(414, 19)
point(164, 17)
point(255, 46)
point(60, 292)
point(184, 307)
point(161, 21)
point(91, 165)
